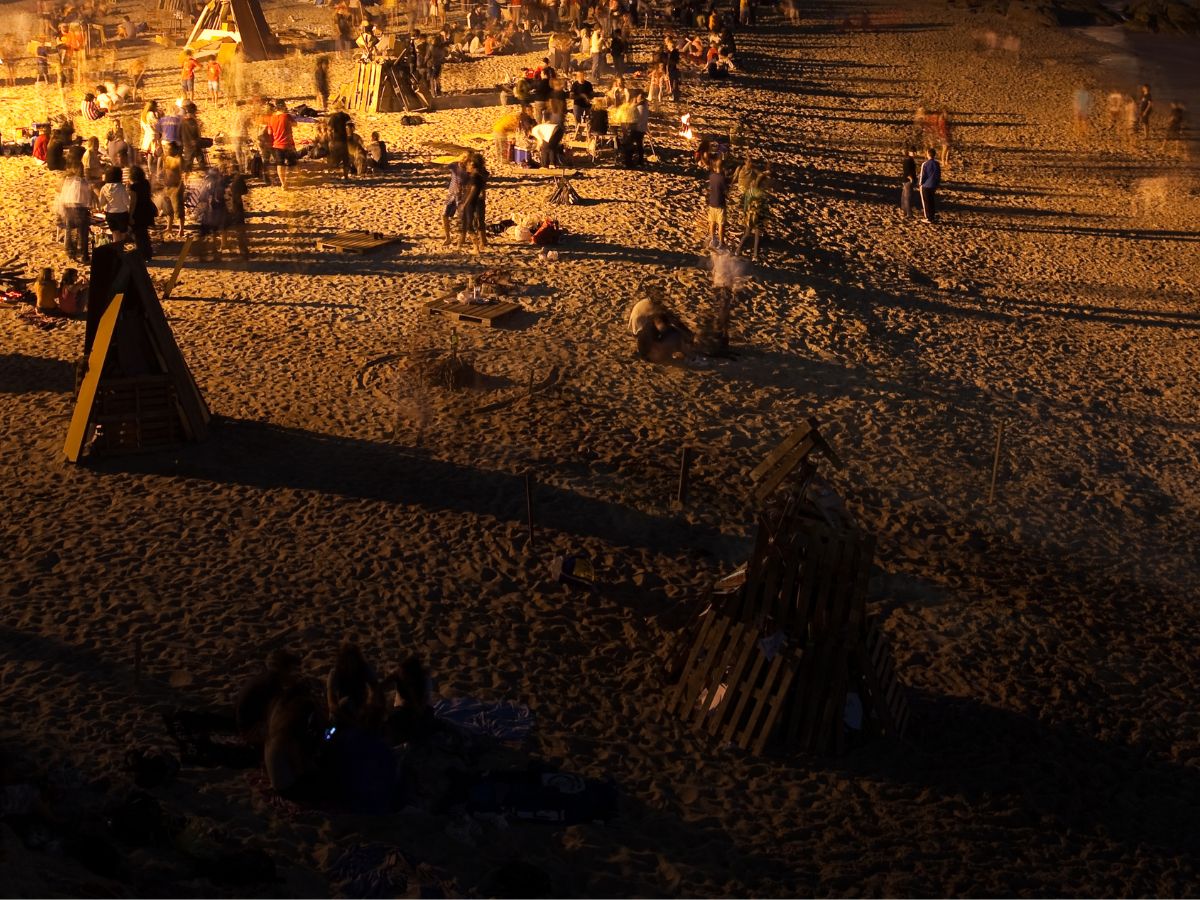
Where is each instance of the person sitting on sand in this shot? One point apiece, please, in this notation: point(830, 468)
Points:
point(292, 749)
point(663, 337)
point(252, 708)
point(352, 689)
point(377, 153)
point(41, 143)
point(410, 715)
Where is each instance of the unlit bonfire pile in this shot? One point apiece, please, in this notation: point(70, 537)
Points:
point(563, 193)
point(785, 653)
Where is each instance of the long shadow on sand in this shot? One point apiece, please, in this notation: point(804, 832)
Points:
point(21, 374)
point(268, 457)
point(1046, 779)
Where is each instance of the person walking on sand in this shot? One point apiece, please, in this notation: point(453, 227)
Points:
point(283, 144)
point(718, 193)
point(1174, 129)
point(908, 180)
point(930, 179)
point(1145, 109)
point(458, 174)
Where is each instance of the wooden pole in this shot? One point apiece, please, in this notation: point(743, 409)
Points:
point(685, 467)
point(187, 245)
point(529, 503)
point(996, 462)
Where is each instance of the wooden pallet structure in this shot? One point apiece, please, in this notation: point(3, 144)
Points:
point(137, 393)
point(360, 242)
point(786, 637)
point(488, 315)
point(789, 463)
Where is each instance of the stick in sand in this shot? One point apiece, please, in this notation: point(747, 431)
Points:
point(996, 462)
point(685, 468)
point(529, 503)
point(187, 245)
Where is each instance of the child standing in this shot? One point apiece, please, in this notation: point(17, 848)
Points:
point(214, 79)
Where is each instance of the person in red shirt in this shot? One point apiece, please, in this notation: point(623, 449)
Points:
point(214, 79)
point(40, 143)
point(283, 144)
point(188, 76)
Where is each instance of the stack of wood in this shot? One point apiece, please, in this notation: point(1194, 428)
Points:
point(785, 650)
point(564, 193)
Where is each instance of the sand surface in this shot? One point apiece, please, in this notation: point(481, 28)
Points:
point(1048, 638)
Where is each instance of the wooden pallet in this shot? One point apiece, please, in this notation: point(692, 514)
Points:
point(787, 458)
point(136, 414)
point(356, 242)
point(881, 691)
point(729, 690)
point(486, 314)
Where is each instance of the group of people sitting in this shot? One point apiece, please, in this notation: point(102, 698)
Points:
point(328, 742)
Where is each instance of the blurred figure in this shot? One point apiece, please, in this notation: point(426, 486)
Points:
point(1174, 128)
point(1081, 108)
point(1145, 109)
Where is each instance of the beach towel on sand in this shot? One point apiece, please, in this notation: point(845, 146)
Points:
point(381, 870)
point(508, 722)
point(543, 796)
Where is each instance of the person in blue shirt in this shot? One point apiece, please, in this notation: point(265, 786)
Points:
point(929, 180)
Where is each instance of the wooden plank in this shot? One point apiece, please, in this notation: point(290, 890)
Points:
point(688, 672)
point(187, 246)
point(359, 242)
point(475, 313)
point(194, 413)
point(734, 731)
point(762, 695)
point(781, 472)
point(747, 645)
point(707, 650)
point(782, 696)
point(77, 432)
point(787, 444)
point(721, 663)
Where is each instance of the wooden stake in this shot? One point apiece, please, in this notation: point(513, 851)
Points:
point(530, 381)
point(685, 468)
point(187, 246)
point(137, 661)
point(529, 503)
point(996, 462)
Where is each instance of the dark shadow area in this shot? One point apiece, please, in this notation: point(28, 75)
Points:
point(1019, 773)
point(21, 374)
point(267, 457)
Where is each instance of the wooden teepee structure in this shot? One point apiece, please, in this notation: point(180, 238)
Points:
point(137, 392)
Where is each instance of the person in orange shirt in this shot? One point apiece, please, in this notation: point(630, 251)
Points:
point(188, 76)
point(214, 79)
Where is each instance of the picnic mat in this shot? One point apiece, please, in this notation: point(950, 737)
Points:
point(505, 721)
point(381, 870)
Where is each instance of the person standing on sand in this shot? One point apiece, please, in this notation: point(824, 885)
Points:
point(458, 174)
point(718, 193)
point(173, 187)
point(214, 80)
point(930, 179)
point(1145, 109)
point(1174, 129)
point(187, 80)
point(283, 144)
point(908, 180)
point(472, 203)
point(321, 81)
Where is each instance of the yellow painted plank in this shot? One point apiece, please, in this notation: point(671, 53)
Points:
point(91, 381)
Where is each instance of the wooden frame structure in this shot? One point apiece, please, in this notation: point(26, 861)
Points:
point(137, 393)
point(786, 637)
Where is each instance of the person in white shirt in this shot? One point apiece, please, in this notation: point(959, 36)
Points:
point(114, 202)
point(596, 47)
point(549, 137)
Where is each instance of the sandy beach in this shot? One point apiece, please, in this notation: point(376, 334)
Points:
point(1046, 638)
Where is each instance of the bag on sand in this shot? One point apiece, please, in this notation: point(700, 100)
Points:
point(547, 233)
